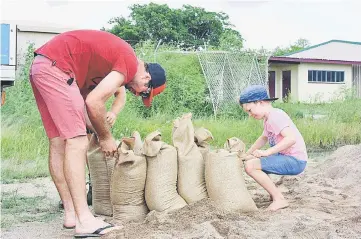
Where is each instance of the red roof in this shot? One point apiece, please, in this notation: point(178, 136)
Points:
point(293, 60)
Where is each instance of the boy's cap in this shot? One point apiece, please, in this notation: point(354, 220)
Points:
point(254, 93)
point(158, 80)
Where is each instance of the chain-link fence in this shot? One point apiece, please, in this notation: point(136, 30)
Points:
point(226, 73)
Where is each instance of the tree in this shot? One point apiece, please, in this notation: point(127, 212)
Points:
point(296, 46)
point(189, 25)
point(125, 28)
point(231, 40)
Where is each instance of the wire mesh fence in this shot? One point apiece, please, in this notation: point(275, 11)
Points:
point(228, 73)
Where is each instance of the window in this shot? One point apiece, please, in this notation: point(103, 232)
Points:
point(319, 76)
point(333, 79)
point(323, 76)
point(326, 76)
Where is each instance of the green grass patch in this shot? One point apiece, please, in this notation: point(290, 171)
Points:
point(24, 155)
point(16, 209)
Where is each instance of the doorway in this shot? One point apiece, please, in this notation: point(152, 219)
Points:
point(272, 84)
point(286, 84)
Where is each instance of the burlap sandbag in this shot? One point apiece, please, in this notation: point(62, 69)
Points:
point(100, 174)
point(202, 137)
point(128, 181)
point(225, 180)
point(191, 183)
point(161, 183)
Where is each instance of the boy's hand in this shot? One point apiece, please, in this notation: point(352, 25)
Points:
point(246, 157)
point(260, 153)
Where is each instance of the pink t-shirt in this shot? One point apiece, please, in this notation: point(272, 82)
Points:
point(278, 120)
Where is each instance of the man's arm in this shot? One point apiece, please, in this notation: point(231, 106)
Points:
point(95, 103)
point(260, 142)
point(119, 101)
point(117, 105)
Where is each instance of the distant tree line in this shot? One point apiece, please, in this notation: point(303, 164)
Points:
point(187, 27)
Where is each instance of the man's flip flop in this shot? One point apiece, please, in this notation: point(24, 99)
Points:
point(96, 233)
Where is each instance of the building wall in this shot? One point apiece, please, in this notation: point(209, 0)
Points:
point(278, 68)
point(322, 92)
point(24, 39)
point(332, 51)
point(303, 91)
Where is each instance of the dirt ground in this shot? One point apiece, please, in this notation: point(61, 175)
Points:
point(325, 202)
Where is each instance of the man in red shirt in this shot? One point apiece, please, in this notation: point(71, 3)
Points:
point(80, 70)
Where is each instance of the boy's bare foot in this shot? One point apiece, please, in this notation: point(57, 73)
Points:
point(277, 204)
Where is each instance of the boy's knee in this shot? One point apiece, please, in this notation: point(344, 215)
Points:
point(252, 165)
point(248, 167)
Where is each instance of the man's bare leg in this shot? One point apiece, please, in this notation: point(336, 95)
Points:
point(75, 157)
point(253, 169)
point(56, 166)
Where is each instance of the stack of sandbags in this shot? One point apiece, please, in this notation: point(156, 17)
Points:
point(128, 181)
point(225, 180)
point(191, 183)
point(161, 182)
point(101, 169)
point(202, 137)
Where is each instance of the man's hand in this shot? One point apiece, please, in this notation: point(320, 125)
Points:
point(260, 153)
point(109, 147)
point(111, 117)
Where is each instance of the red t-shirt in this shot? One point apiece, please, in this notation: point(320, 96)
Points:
point(90, 55)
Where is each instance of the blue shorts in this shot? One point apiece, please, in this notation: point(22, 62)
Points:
point(281, 164)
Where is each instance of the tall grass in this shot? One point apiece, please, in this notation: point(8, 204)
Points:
point(24, 146)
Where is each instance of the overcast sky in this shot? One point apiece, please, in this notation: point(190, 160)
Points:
point(265, 24)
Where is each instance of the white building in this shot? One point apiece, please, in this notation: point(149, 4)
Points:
point(15, 41)
point(36, 35)
point(319, 73)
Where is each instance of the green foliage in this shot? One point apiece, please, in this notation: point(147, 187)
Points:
point(190, 26)
point(231, 40)
point(21, 95)
point(186, 88)
point(298, 45)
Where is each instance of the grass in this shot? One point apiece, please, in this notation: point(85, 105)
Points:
point(17, 209)
point(25, 146)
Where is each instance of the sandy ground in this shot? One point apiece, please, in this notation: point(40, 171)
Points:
point(325, 202)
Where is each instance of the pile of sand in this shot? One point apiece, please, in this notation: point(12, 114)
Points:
point(343, 168)
point(325, 202)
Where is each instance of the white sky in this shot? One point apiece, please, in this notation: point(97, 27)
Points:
point(268, 23)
